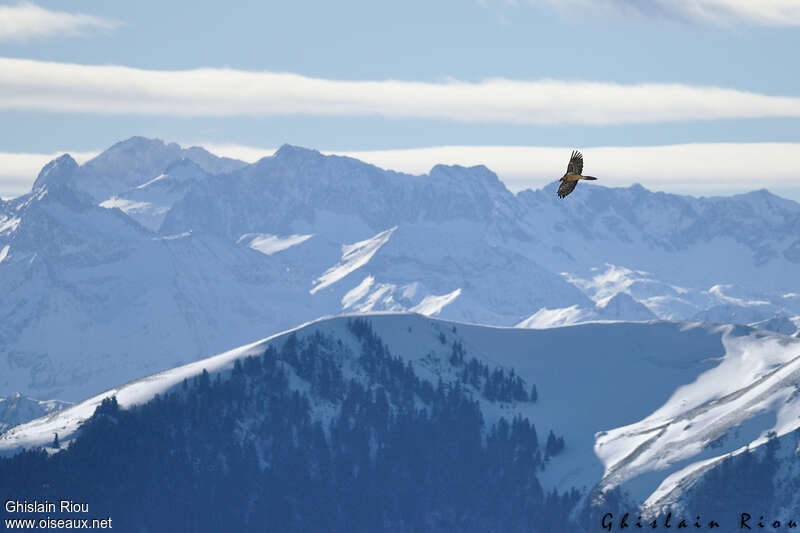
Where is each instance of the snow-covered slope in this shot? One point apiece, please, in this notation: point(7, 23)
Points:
point(621, 306)
point(92, 298)
point(270, 244)
point(546, 318)
point(747, 393)
point(637, 403)
point(149, 202)
point(17, 409)
point(670, 236)
point(205, 253)
point(354, 256)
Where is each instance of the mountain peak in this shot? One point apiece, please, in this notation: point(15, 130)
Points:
point(763, 200)
point(478, 174)
point(290, 151)
point(624, 306)
point(138, 143)
point(137, 151)
point(137, 160)
point(58, 170)
point(764, 193)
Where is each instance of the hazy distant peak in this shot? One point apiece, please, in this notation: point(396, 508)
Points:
point(211, 163)
point(476, 175)
point(58, 170)
point(292, 151)
point(624, 306)
point(138, 143)
point(764, 199)
point(477, 171)
point(198, 150)
point(138, 160)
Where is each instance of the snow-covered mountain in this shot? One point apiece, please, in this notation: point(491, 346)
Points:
point(149, 202)
point(17, 409)
point(134, 162)
point(151, 254)
point(642, 406)
point(780, 324)
point(689, 242)
point(621, 306)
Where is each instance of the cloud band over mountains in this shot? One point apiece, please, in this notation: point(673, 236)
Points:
point(118, 90)
point(700, 168)
point(19, 170)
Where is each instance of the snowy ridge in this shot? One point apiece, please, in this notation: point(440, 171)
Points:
point(132, 163)
point(432, 305)
point(605, 284)
point(8, 224)
point(357, 293)
point(383, 295)
point(149, 202)
point(718, 291)
point(621, 306)
point(692, 384)
point(354, 256)
point(550, 318)
point(152, 181)
point(758, 374)
point(17, 408)
point(40, 432)
point(127, 206)
point(664, 299)
point(269, 244)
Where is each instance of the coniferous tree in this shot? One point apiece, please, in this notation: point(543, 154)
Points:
point(242, 450)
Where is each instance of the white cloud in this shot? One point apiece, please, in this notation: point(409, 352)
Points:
point(242, 152)
point(27, 21)
point(703, 168)
point(18, 171)
point(683, 167)
point(66, 87)
point(700, 168)
point(767, 12)
point(762, 12)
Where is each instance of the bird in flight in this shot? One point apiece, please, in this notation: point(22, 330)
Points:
point(570, 179)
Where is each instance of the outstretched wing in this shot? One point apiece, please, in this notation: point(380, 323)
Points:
point(575, 165)
point(566, 187)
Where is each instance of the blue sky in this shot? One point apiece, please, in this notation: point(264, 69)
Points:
point(674, 85)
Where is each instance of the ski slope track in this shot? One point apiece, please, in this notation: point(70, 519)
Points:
point(637, 402)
